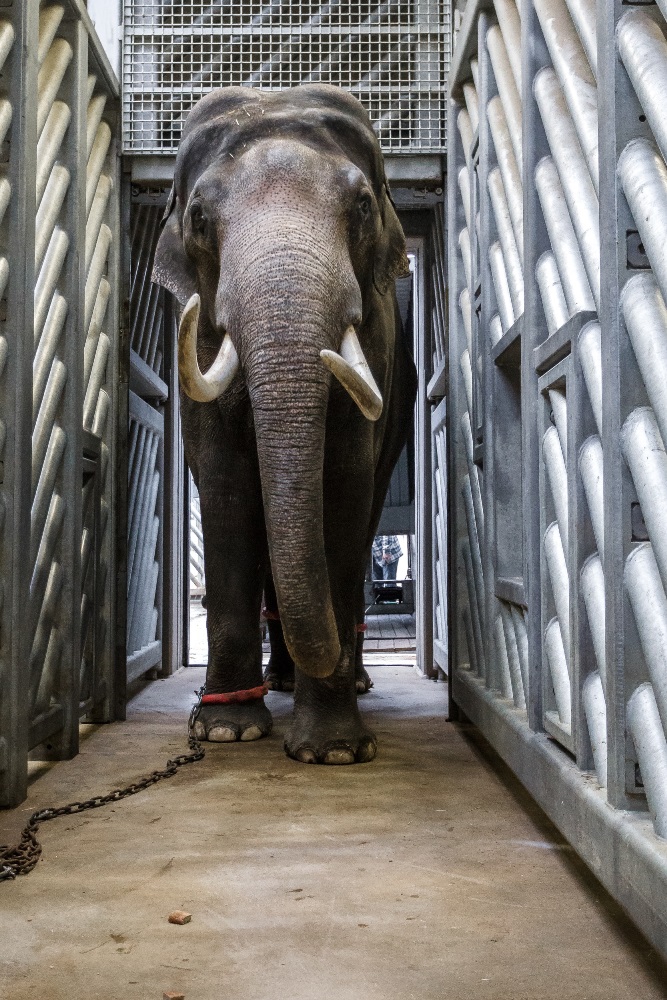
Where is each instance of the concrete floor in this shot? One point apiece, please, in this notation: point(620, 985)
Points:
point(427, 874)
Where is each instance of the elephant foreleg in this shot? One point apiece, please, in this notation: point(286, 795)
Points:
point(279, 673)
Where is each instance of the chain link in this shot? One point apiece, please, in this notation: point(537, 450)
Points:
point(22, 857)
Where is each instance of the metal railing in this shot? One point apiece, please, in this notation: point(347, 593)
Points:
point(558, 416)
point(59, 117)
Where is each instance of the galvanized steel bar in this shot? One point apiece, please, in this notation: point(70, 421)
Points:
point(583, 16)
point(573, 172)
point(649, 739)
point(645, 315)
point(558, 402)
point(557, 660)
point(575, 75)
point(643, 49)
point(644, 451)
point(473, 605)
point(512, 652)
point(649, 607)
point(464, 188)
point(495, 329)
point(591, 465)
point(560, 582)
point(510, 27)
point(551, 292)
point(472, 104)
point(467, 379)
point(509, 170)
point(501, 287)
point(521, 634)
point(592, 588)
point(473, 472)
point(511, 259)
point(643, 176)
point(507, 90)
point(464, 245)
point(562, 236)
point(590, 355)
point(557, 475)
point(595, 710)
point(502, 659)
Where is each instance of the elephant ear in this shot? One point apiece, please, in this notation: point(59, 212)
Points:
point(172, 268)
point(391, 259)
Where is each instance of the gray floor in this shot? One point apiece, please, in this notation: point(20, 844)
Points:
point(426, 875)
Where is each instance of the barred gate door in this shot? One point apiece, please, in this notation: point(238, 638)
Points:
point(557, 204)
point(59, 238)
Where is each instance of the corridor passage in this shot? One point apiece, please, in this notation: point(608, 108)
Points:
point(425, 875)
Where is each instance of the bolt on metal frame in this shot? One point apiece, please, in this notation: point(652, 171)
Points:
point(59, 117)
point(557, 209)
point(392, 56)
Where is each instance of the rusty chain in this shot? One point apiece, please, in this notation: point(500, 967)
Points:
point(21, 858)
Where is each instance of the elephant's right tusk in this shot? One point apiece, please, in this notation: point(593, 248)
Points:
point(203, 388)
point(352, 371)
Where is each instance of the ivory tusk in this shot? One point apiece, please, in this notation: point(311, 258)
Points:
point(203, 388)
point(351, 369)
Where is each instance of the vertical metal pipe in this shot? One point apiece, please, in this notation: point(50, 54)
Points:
point(591, 470)
point(553, 646)
point(575, 178)
point(644, 451)
point(651, 746)
point(592, 589)
point(551, 292)
point(595, 710)
point(560, 583)
point(563, 238)
point(649, 607)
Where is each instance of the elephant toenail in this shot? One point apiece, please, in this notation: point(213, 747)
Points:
point(251, 733)
point(306, 755)
point(341, 755)
point(200, 731)
point(366, 752)
point(222, 734)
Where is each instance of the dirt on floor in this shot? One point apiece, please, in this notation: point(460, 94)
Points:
point(425, 875)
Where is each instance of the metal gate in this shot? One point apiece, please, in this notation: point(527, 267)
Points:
point(557, 206)
point(59, 178)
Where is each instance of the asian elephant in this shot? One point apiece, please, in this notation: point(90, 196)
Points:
point(281, 243)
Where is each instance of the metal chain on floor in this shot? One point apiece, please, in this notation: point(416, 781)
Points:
point(22, 857)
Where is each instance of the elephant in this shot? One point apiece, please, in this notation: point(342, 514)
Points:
point(280, 244)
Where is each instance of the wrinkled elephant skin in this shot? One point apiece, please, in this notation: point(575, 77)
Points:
point(281, 243)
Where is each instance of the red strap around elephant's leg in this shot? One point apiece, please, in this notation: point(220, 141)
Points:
point(362, 627)
point(270, 616)
point(233, 697)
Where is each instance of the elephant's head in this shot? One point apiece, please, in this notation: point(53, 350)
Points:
point(280, 240)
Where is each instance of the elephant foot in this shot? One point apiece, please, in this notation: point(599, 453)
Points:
point(246, 721)
point(362, 681)
point(279, 678)
point(330, 742)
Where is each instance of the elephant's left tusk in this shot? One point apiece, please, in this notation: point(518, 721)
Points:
point(203, 388)
point(351, 369)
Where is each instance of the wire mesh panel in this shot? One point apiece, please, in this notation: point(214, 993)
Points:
point(392, 56)
point(557, 468)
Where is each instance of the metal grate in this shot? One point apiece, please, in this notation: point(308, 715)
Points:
point(392, 56)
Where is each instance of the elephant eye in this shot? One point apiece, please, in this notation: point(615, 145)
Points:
point(198, 219)
point(365, 205)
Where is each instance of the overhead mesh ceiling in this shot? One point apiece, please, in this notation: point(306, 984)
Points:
point(392, 56)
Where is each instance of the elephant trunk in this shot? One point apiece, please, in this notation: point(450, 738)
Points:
point(290, 413)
